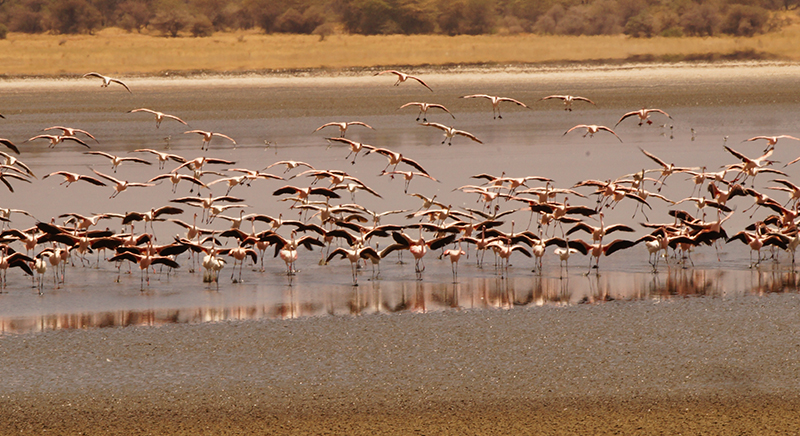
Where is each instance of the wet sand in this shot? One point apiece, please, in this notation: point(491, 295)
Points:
point(682, 365)
point(690, 366)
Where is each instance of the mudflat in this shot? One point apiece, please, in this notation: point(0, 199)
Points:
point(704, 365)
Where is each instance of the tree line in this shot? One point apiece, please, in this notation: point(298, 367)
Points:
point(637, 18)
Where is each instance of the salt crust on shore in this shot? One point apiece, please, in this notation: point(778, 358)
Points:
point(693, 365)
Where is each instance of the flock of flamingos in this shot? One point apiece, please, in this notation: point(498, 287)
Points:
point(329, 218)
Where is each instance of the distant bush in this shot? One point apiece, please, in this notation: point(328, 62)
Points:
point(636, 18)
point(3, 31)
point(172, 17)
point(744, 20)
point(202, 27)
point(73, 16)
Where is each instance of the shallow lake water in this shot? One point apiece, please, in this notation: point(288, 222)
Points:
point(710, 106)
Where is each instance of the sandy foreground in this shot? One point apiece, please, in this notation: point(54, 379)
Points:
point(688, 366)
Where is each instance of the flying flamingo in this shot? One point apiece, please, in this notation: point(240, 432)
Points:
point(10, 145)
point(402, 77)
point(57, 139)
point(117, 160)
point(159, 116)
point(396, 159)
point(423, 109)
point(70, 131)
point(450, 132)
point(207, 136)
point(106, 80)
point(355, 147)
point(343, 126)
point(643, 114)
point(591, 129)
point(495, 100)
point(407, 176)
point(568, 99)
point(163, 158)
point(70, 178)
point(121, 185)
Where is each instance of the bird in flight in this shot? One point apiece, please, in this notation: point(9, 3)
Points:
point(207, 137)
point(343, 126)
point(591, 129)
point(107, 80)
point(423, 109)
point(643, 114)
point(568, 99)
point(402, 77)
point(496, 102)
point(159, 116)
point(450, 132)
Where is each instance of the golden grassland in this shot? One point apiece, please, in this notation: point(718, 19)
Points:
point(114, 51)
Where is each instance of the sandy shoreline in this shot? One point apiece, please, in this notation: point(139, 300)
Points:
point(708, 365)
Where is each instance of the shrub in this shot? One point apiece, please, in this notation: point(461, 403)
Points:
point(547, 22)
point(73, 16)
point(27, 17)
point(3, 31)
point(641, 25)
point(202, 27)
point(701, 20)
point(743, 20)
point(172, 17)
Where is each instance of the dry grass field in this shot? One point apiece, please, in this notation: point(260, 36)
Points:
point(113, 51)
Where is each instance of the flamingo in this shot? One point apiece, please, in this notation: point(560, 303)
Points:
point(643, 114)
point(107, 80)
point(591, 129)
point(290, 165)
point(207, 136)
point(495, 100)
point(163, 158)
point(159, 116)
point(10, 145)
point(343, 126)
point(121, 185)
point(771, 140)
point(57, 139)
point(355, 147)
point(667, 169)
point(354, 254)
point(11, 161)
point(117, 160)
point(70, 178)
point(568, 99)
point(407, 176)
point(450, 132)
point(402, 77)
point(175, 178)
point(418, 248)
point(288, 248)
point(454, 254)
point(423, 109)
point(70, 131)
point(396, 159)
point(212, 264)
point(239, 254)
point(145, 261)
point(11, 259)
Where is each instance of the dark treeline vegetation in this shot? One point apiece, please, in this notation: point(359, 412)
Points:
point(638, 18)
